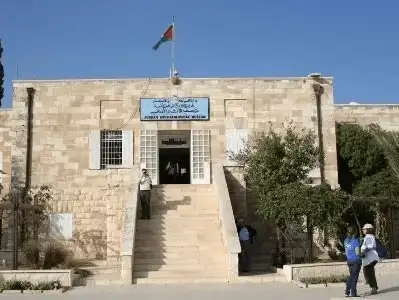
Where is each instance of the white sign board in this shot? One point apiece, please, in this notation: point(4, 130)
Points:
point(61, 225)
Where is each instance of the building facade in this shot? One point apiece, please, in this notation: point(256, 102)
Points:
point(87, 139)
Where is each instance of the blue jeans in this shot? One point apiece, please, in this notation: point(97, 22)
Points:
point(354, 270)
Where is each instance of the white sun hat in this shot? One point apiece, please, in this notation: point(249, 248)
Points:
point(368, 226)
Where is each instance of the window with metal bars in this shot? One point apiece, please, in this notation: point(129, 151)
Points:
point(111, 148)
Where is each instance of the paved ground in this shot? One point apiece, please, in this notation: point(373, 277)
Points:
point(389, 290)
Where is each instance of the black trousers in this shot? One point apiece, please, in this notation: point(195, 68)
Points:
point(354, 270)
point(369, 275)
point(243, 257)
point(145, 200)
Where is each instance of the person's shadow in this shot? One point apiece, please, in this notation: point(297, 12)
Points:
point(389, 290)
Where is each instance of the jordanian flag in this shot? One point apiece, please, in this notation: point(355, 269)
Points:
point(167, 36)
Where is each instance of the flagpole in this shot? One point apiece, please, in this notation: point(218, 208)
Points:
point(173, 48)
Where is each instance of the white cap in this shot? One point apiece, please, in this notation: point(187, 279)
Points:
point(368, 226)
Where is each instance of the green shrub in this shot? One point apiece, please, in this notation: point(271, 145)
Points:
point(48, 285)
point(324, 279)
point(32, 253)
point(22, 285)
point(83, 273)
point(54, 255)
point(15, 284)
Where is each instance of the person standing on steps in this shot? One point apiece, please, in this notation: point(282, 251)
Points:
point(246, 233)
point(145, 186)
point(369, 257)
point(352, 251)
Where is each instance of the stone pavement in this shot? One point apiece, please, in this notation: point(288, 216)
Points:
point(389, 290)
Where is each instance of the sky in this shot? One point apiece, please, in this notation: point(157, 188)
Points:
point(356, 41)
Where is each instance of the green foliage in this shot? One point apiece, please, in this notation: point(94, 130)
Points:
point(54, 255)
point(41, 196)
point(1, 75)
point(389, 143)
point(368, 166)
point(23, 285)
point(325, 205)
point(48, 285)
point(15, 284)
point(276, 159)
point(83, 273)
point(32, 253)
point(359, 155)
point(277, 167)
point(381, 188)
point(325, 279)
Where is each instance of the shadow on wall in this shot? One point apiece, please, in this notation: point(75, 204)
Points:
point(92, 243)
point(237, 191)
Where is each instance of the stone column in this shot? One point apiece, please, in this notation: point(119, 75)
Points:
point(19, 134)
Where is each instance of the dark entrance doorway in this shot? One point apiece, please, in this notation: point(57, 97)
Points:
point(174, 166)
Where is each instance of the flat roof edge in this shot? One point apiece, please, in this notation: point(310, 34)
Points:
point(163, 78)
point(366, 104)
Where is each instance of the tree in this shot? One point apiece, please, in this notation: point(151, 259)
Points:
point(389, 143)
point(359, 155)
point(366, 168)
point(36, 205)
point(1, 75)
point(277, 167)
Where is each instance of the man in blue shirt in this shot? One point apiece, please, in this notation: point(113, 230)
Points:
point(245, 234)
point(352, 251)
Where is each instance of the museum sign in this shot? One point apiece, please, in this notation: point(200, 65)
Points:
point(174, 109)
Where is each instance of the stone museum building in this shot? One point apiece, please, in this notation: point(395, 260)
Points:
point(89, 140)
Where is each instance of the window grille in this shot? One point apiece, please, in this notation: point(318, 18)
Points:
point(111, 148)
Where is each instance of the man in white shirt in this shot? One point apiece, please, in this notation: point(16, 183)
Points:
point(145, 186)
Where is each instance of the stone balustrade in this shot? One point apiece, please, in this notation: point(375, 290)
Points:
point(226, 220)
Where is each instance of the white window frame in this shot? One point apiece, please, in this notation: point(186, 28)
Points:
point(235, 140)
point(106, 147)
point(96, 144)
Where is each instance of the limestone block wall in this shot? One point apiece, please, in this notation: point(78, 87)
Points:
point(66, 111)
point(5, 148)
point(64, 114)
point(256, 103)
point(386, 115)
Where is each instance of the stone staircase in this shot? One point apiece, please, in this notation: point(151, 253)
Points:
point(102, 273)
point(182, 242)
point(263, 247)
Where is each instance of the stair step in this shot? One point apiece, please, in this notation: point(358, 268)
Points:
point(179, 280)
point(218, 259)
point(103, 270)
point(189, 232)
point(181, 274)
point(194, 239)
point(181, 267)
point(180, 195)
point(160, 227)
point(108, 279)
point(185, 187)
point(183, 214)
point(184, 211)
point(183, 220)
point(174, 243)
point(186, 233)
point(177, 255)
point(179, 249)
point(193, 205)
